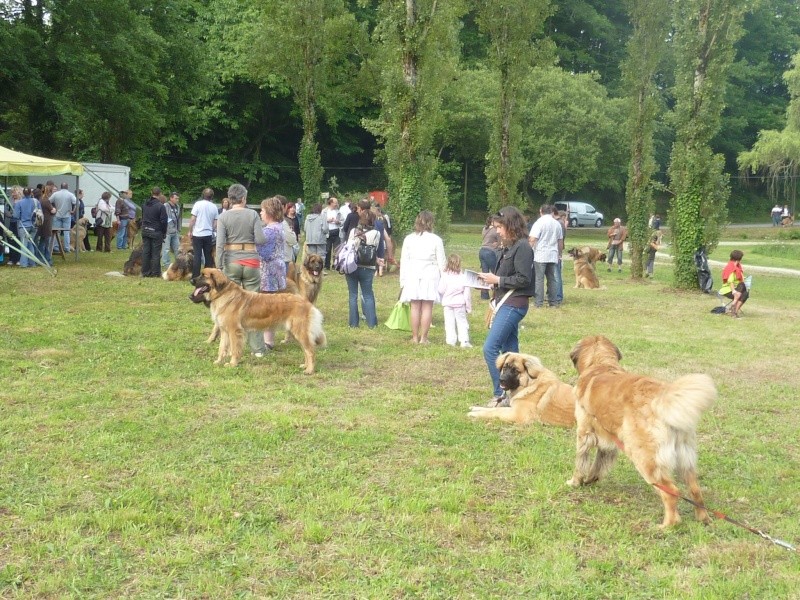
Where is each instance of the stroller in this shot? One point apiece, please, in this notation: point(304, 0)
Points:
point(704, 279)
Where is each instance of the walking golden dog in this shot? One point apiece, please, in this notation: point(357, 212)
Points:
point(536, 394)
point(235, 310)
point(651, 421)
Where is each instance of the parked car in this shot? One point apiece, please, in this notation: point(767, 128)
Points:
point(580, 213)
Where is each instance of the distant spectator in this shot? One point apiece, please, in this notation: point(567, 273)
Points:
point(26, 230)
point(617, 234)
point(173, 240)
point(105, 213)
point(776, 215)
point(65, 203)
point(154, 230)
point(456, 302)
point(652, 248)
point(316, 231)
point(422, 261)
point(202, 227)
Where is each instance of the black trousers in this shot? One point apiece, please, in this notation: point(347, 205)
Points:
point(201, 247)
point(333, 241)
point(151, 256)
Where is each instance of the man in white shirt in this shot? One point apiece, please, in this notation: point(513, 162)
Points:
point(547, 240)
point(202, 227)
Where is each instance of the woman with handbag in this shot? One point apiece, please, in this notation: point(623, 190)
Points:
point(369, 252)
point(512, 282)
point(104, 214)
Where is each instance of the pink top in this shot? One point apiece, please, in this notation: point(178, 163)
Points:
point(454, 290)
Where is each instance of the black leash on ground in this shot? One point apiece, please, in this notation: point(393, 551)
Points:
point(716, 513)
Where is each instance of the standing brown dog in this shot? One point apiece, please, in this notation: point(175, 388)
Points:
point(309, 277)
point(652, 421)
point(235, 310)
point(536, 394)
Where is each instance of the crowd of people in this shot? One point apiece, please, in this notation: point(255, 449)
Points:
point(518, 262)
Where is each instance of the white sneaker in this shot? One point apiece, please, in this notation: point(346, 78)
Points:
point(466, 345)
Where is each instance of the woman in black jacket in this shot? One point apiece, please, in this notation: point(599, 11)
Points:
point(513, 286)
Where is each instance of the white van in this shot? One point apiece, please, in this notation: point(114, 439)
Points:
point(580, 213)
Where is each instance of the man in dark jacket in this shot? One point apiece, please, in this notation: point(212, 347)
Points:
point(154, 230)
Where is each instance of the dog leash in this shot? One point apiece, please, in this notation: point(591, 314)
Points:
point(724, 517)
point(716, 513)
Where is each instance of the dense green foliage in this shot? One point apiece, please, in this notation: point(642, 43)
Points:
point(281, 95)
point(645, 55)
point(706, 31)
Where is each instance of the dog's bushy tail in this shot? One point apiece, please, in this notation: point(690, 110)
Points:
point(316, 331)
point(684, 400)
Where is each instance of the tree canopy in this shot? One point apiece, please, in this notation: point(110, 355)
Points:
point(449, 104)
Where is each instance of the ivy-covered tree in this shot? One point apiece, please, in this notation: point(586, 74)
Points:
point(416, 44)
point(705, 34)
point(514, 28)
point(645, 52)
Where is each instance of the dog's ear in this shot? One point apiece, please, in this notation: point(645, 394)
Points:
point(533, 366)
point(501, 360)
point(576, 353)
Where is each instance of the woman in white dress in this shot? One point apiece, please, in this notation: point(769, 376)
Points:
point(421, 264)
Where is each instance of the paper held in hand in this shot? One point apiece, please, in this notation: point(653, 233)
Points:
point(474, 281)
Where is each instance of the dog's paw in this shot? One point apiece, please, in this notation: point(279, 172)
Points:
point(219, 361)
point(573, 482)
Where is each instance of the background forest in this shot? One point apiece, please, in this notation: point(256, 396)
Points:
point(204, 92)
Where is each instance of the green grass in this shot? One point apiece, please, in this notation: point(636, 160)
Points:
point(134, 467)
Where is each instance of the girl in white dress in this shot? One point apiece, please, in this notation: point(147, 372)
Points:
point(422, 261)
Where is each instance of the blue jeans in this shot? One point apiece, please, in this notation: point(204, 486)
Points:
point(362, 276)
point(488, 258)
point(171, 244)
point(26, 237)
point(63, 223)
point(122, 234)
point(542, 271)
point(44, 250)
point(615, 250)
point(503, 337)
point(559, 283)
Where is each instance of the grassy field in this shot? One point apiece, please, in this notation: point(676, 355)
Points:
point(134, 467)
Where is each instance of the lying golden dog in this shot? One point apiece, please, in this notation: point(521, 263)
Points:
point(585, 274)
point(181, 268)
point(235, 310)
point(652, 421)
point(536, 394)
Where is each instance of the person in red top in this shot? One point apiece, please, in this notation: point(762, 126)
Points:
point(733, 283)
